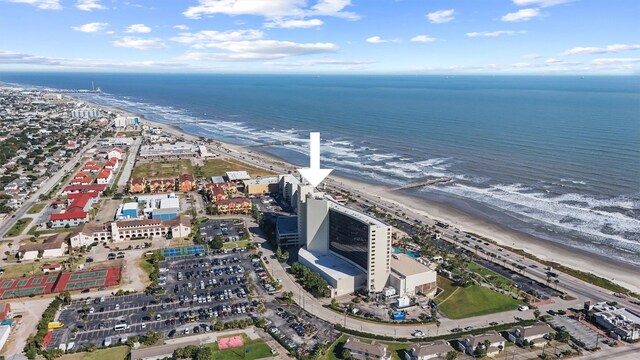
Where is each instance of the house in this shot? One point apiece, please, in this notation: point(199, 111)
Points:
point(70, 145)
point(437, 349)
point(104, 177)
point(53, 246)
point(48, 268)
point(80, 202)
point(112, 163)
point(366, 351)
point(237, 205)
point(91, 166)
point(116, 153)
point(531, 334)
point(68, 218)
point(137, 185)
point(187, 182)
point(162, 185)
point(76, 189)
point(489, 344)
point(81, 178)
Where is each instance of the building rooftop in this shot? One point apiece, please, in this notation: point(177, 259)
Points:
point(218, 180)
point(435, 348)
point(287, 224)
point(264, 180)
point(354, 214)
point(170, 203)
point(405, 265)
point(330, 264)
point(237, 175)
point(372, 349)
point(130, 206)
point(52, 242)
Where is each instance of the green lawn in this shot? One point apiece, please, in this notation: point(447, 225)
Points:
point(36, 208)
point(447, 286)
point(162, 169)
point(258, 349)
point(114, 353)
point(476, 300)
point(20, 270)
point(17, 228)
point(234, 244)
point(491, 276)
point(218, 167)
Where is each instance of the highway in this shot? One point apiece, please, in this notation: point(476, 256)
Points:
point(7, 223)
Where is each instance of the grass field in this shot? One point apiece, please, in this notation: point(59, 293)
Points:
point(162, 169)
point(36, 208)
point(234, 244)
point(20, 270)
point(217, 167)
point(114, 353)
point(258, 349)
point(474, 301)
point(447, 286)
point(17, 228)
point(491, 276)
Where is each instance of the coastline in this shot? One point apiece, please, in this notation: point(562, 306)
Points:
point(618, 272)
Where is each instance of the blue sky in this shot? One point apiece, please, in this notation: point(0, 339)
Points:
point(323, 36)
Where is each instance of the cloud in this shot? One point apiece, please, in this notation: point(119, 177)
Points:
point(541, 3)
point(90, 5)
point(423, 39)
point(16, 58)
point(41, 4)
point(441, 16)
point(138, 28)
point(294, 23)
point(379, 40)
point(211, 38)
point(531, 56)
point(495, 33)
point(181, 27)
point(271, 9)
point(615, 48)
point(260, 50)
point(91, 27)
point(139, 43)
point(608, 61)
point(522, 15)
point(320, 62)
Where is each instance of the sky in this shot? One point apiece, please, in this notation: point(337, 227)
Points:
point(322, 36)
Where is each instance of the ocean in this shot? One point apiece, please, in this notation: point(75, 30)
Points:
point(557, 157)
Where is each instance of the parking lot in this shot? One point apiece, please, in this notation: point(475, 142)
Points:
point(577, 330)
point(228, 229)
point(525, 284)
point(199, 291)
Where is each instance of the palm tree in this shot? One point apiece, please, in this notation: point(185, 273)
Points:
point(556, 281)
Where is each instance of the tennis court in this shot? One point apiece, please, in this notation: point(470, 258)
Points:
point(184, 251)
point(26, 286)
point(22, 292)
point(77, 285)
point(88, 275)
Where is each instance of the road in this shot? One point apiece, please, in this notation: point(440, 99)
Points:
point(45, 188)
point(128, 166)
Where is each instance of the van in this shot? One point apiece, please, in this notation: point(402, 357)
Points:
point(120, 327)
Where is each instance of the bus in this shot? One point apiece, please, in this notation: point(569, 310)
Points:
point(120, 327)
point(55, 325)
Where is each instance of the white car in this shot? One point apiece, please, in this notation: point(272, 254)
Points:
point(417, 333)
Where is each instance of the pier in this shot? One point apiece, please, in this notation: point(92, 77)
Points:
point(423, 183)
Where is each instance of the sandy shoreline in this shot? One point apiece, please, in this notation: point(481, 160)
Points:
point(620, 273)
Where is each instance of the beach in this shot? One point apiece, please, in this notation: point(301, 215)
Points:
point(620, 273)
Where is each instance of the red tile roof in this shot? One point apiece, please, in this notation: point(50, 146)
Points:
point(69, 215)
point(84, 188)
point(104, 174)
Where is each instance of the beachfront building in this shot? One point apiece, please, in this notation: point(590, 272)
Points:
point(237, 176)
point(409, 277)
point(336, 237)
point(622, 323)
point(288, 187)
point(178, 150)
point(477, 345)
point(126, 121)
point(435, 350)
point(532, 335)
point(85, 113)
point(261, 186)
point(367, 351)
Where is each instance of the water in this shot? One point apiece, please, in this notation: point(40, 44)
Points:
point(413, 254)
point(557, 157)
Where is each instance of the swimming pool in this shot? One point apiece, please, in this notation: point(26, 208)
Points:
point(413, 254)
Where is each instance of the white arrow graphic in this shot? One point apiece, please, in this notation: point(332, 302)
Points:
point(313, 174)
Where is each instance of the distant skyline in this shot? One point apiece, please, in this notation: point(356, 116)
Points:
point(323, 36)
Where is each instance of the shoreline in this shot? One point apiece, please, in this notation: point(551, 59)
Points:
point(618, 272)
point(615, 271)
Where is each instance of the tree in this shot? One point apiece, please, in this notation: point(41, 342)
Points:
point(452, 355)
point(536, 313)
point(217, 242)
point(204, 353)
point(346, 354)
